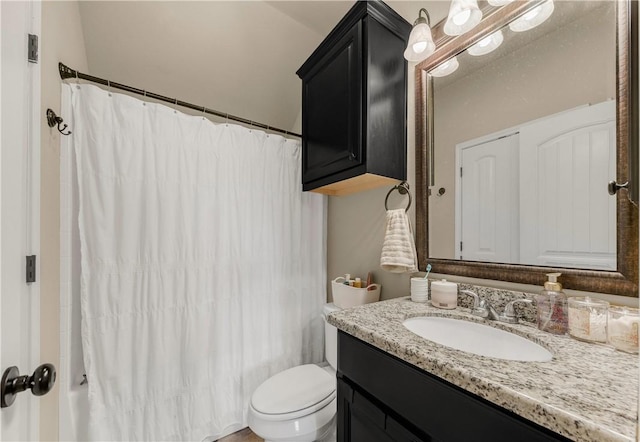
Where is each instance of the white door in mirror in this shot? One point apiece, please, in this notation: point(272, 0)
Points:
point(478, 339)
point(567, 217)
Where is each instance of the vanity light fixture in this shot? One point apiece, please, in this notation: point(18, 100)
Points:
point(533, 18)
point(421, 43)
point(464, 15)
point(446, 68)
point(487, 44)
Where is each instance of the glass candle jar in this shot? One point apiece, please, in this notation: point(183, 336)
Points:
point(588, 319)
point(622, 329)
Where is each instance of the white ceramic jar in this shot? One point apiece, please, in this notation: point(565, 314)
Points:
point(444, 294)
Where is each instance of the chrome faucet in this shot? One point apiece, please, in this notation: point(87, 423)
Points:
point(484, 309)
point(509, 314)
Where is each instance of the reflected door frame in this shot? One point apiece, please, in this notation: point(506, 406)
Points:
point(506, 195)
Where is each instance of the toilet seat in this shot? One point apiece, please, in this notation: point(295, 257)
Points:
point(293, 393)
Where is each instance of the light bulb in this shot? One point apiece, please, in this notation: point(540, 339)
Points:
point(533, 13)
point(462, 17)
point(419, 47)
point(446, 68)
point(487, 44)
point(420, 44)
point(533, 18)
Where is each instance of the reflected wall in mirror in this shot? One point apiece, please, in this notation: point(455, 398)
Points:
point(525, 165)
point(525, 135)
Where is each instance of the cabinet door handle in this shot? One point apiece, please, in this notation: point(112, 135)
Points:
point(40, 383)
point(352, 156)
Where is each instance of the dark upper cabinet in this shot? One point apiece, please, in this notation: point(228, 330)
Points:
point(354, 103)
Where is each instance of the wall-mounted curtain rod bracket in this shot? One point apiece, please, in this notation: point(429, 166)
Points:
point(66, 72)
point(53, 120)
point(403, 189)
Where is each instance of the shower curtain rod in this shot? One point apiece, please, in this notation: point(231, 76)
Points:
point(66, 72)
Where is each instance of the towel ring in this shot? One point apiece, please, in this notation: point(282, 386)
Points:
point(403, 189)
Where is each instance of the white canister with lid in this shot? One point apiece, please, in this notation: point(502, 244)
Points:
point(444, 294)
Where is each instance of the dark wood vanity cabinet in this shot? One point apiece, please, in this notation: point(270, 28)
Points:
point(382, 398)
point(354, 103)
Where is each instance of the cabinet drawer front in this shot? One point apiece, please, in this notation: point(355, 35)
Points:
point(434, 406)
point(332, 116)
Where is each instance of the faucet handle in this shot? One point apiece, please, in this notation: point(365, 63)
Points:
point(509, 314)
point(479, 305)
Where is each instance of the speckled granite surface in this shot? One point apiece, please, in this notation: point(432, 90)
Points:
point(499, 298)
point(587, 392)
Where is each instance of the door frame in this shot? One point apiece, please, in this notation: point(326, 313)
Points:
point(27, 142)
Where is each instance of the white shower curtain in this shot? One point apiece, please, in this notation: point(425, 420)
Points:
point(203, 266)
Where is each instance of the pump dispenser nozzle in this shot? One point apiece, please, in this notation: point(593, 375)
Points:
point(552, 284)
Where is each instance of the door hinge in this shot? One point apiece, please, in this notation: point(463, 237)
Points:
point(461, 172)
point(32, 54)
point(461, 246)
point(31, 268)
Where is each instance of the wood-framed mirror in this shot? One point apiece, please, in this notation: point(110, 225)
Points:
point(544, 176)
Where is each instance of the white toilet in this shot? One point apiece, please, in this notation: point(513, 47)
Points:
point(299, 404)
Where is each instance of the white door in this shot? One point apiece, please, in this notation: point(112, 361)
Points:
point(487, 215)
point(19, 211)
point(567, 217)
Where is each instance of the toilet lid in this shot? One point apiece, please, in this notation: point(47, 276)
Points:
point(293, 390)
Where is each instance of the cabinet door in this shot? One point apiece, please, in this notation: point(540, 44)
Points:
point(361, 419)
point(332, 110)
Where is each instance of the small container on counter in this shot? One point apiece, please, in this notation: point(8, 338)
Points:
point(419, 289)
point(588, 319)
point(622, 328)
point(444, 294)
point(551, 303)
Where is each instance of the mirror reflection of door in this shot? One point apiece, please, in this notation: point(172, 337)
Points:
point(487, 216)
point(566, 161)
point(538, 196)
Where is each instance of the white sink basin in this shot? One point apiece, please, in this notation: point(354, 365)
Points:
point(477, 338)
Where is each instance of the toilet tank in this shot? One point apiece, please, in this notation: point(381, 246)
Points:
point(330, 336)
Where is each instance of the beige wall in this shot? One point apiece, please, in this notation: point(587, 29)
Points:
point(239, 57)
point(61, 40)
point(569, 67)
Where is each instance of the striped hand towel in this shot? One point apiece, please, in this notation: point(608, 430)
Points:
point(399, 248)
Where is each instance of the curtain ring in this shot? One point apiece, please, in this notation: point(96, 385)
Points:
point(109, 87)
point(227, 121)
point(175, 103)
point(144, 103)
point(204, 109)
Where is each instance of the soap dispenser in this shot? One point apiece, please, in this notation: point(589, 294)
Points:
point(552, 306)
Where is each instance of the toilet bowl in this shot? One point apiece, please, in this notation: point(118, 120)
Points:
point(299, 404)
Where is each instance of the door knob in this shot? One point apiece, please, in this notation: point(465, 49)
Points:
point(40, 383)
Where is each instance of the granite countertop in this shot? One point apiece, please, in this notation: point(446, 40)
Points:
point(588, 392)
